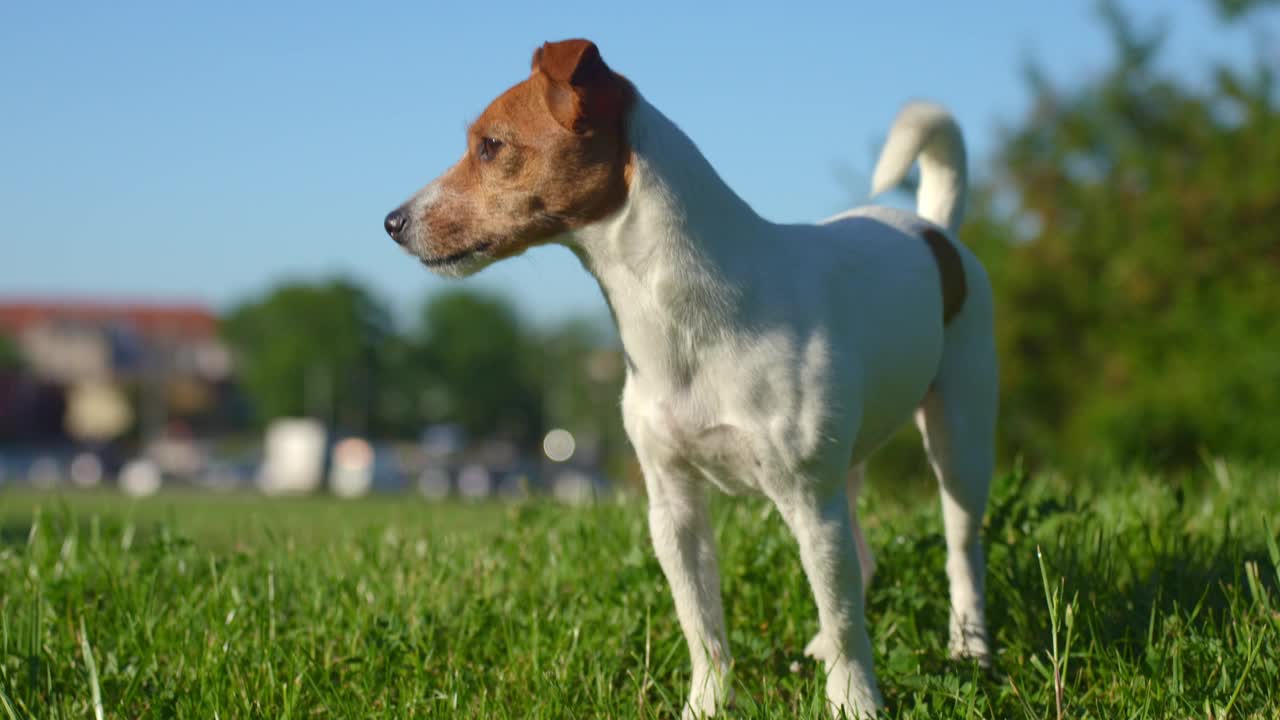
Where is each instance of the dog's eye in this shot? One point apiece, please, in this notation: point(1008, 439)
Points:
point(488, 148)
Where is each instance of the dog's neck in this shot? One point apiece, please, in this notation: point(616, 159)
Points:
point(673, 261)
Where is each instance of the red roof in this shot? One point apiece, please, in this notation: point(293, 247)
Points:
point(188, 320)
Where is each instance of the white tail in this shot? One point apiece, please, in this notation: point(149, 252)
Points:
point(927, 132)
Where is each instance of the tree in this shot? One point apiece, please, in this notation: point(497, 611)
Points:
point(312, 349)
point(482, 370)
point(10, 356)
point(584, 370)
point(1136, 284)
point(1234, 9)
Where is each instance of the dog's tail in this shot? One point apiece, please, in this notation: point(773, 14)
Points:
point(927, 132)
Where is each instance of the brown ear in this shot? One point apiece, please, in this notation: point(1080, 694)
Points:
point(582, 91)
point(572, 62)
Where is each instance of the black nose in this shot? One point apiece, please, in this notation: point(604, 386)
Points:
point(394, 223)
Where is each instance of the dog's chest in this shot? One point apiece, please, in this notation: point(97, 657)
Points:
point(738, 415)
point(713, 392)
point(684, 436)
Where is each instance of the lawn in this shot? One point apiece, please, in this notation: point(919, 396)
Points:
point(1144, 597)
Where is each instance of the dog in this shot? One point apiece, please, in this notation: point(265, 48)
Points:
point(760, 358)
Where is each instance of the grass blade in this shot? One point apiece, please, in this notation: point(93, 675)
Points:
point(92, 667)
point(8, 706)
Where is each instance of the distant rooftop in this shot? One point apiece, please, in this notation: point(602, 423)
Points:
point(148, 318)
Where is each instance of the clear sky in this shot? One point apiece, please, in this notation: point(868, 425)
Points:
point(173, 150)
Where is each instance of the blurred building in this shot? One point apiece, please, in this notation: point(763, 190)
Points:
point(95, 371)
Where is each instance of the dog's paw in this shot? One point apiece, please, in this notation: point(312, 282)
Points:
point(975, 652)
point(704, 706)
point(970, 643)
point(691, 714)
point(710, 693)
point(819, 648)
point(852, 692)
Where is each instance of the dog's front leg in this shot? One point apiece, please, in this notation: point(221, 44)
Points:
point(819, 648)
point(819, 518)
point(686, 550)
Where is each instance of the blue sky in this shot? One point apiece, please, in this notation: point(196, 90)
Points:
point(206, 150)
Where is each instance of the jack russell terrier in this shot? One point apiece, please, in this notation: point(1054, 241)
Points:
point(761, 358)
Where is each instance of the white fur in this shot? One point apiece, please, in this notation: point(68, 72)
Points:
point(417, 241)
point(927, 132)
point(771, 358)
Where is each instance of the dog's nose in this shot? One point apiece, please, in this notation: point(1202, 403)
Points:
point(394, 223)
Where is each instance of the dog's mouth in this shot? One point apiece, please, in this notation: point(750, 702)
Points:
point(443, 261)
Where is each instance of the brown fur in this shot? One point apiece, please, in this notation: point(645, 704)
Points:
point(563, 163)
point(950, 271)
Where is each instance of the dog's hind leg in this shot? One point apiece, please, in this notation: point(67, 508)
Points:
point(819, 647)
point(866, 560)
point(685, 545)
point(957, 421)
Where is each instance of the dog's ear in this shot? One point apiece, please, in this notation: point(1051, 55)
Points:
point(581, 92)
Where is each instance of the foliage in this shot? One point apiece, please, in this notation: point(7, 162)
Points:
point(10, 356)
point(231, 606)
point(1136, 282)
point(583, 372)
point(485, 369)
point(1232, 9)
point(311, 349)
point(330, 350)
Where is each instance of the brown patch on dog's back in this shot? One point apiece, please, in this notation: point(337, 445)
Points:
point(950, 271)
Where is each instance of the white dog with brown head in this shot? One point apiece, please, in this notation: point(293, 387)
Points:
point(762, 358)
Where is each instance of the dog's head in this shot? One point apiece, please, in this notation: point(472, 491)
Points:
point(548, 156)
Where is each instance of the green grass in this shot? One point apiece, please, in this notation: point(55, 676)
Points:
point(1155, 601)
